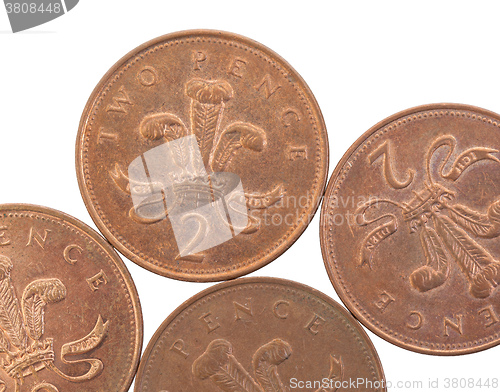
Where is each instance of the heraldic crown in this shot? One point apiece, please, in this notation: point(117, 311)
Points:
point(22, 348)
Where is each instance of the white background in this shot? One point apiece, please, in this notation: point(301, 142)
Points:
point(363, 60)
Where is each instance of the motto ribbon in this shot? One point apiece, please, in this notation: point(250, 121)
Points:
point(381, 233)
point(83, 346)
point(265, 200)
point(153, 209)
point(464, 160)
point(378, 235)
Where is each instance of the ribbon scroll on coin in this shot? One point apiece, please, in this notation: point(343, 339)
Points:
point(260, 335)
point(424, 221)
point(57, 328)
point(202, 155)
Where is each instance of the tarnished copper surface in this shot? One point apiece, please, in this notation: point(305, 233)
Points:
point(252, 117)
point(256, 335)
point(70, 318)
point(410, 228)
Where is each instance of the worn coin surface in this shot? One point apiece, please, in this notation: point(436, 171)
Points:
point(70, 318)
point(410, 229)
point(202, 155)
point(256, 335)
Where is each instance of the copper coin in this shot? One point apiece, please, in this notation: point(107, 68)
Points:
point(202, 155)
point(256, 335)
point(70, 318)
point(410, 229)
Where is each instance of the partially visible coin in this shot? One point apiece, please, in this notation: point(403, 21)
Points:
point(410, 229)
point(70, 318)
point(260, 335)
point(202, 155)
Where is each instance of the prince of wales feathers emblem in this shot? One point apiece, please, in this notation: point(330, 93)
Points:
point(23, 351)
point(195, 181)
point(219, 365)
point(446, 228)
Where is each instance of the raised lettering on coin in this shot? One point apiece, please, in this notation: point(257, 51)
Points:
point(239, 106)
point(209, 322)
point(298, 153)
point(267, 86)
point(455, 323)
point(119, 102)
point(97, 280)
point(289, 116)
point(237, 67)
point(415, 320)
point(384, 300)
point(103, 135)
point(384, 151)
point(35, 237)
point(70, 251)
point(199, 57)
point(257, 357)
point(148, 76)
point(490, 316)
point(314, 323)
point(241, 310)
point(56, 334)
point(280, 309)
point(421, 203)
point(179, 347)
point(3, 238)
point(267, 355)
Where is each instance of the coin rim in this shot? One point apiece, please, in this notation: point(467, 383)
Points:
point(332, 272)
point(127, 278)
point(229, 273)
point(256, 280)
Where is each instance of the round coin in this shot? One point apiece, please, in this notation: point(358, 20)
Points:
point(70, 318)
point(410, 229)
point(202, 155)
point(257, 335)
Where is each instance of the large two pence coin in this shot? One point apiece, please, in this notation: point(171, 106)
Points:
point(410, 229)
point(202, 155)
point(70, 318)
point(260, 335)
